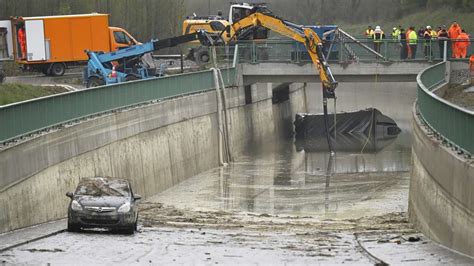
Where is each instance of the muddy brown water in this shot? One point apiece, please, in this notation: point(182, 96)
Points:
point(276, 178)
point(287, 177)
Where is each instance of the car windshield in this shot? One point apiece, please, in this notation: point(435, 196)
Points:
point(99, 187)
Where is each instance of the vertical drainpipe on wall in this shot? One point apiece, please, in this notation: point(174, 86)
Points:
point(220, 132)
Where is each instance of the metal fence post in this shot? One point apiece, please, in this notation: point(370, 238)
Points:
point(341, 49)
point(254, 53)
point(445, 51)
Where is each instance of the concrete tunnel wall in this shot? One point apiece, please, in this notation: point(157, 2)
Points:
point(155, 147)
point(441, 199)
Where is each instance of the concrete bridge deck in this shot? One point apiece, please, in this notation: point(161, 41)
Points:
point(353, 72)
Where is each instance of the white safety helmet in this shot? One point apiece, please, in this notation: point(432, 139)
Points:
point(394, 28)
point(428, 27)
point(377, 28)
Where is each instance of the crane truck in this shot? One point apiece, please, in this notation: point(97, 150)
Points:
point(131, 63)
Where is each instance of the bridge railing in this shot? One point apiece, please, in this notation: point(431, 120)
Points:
point(343, 51)
point(28, 117)
point(451, 123)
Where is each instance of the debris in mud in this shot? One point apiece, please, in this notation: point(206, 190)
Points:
point(414, 238)
point(44, 250)
point(187, 218)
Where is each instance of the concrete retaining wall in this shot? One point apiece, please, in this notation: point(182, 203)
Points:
point(441, 200)
point(155, 147)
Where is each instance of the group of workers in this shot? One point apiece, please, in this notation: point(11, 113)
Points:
point(456, 39)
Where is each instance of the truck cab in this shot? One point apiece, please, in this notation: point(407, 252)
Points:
point(120, 38)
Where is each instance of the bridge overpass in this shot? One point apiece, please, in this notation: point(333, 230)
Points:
point(160, 132)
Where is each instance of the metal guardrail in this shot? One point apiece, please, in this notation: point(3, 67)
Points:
point(342, 51)
point(24, 118)
point(452, 124)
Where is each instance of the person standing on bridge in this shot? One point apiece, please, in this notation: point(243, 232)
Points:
point(369, 33)
point(443, 39)
point(428, 36)
point(453, 33)
point(402, 38)
point(407, 37)
point(413, 42)
point(378, 36)
point(395, 33)
point(461, 45)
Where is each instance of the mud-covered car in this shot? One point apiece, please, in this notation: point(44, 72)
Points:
point(103, 202)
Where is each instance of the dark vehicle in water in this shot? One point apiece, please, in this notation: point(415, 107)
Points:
point(103, 202)
point(366, 130)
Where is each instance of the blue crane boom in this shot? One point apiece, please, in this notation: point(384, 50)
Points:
point(126, 64)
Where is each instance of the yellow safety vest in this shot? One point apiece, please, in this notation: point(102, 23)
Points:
point(413, 38)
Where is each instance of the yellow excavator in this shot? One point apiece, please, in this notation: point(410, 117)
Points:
point(304, 35)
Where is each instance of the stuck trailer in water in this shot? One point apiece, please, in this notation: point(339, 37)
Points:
point(49, 44)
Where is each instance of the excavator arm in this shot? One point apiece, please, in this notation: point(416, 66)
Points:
point(306, 36)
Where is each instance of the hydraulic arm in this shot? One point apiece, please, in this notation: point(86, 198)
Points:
point(298, 33)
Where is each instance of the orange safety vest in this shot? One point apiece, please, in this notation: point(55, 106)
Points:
point(21, 36)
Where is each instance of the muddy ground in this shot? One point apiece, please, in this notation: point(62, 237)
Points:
point(168, 235)
point(461, 95)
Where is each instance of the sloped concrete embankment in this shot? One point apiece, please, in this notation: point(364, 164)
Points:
point(155, 147)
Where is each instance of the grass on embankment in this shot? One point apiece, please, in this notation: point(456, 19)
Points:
point(433, 18)
point(11, 93)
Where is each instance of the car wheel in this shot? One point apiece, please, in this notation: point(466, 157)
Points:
point(73, 228)
point(202, 57)
point(46, 70)
point(58, 69)
point(94, 82)
point(130, 230)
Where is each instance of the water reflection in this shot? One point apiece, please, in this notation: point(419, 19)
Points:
point(290, 182)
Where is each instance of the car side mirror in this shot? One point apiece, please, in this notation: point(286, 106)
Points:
point(69, 195)
point(137, 197)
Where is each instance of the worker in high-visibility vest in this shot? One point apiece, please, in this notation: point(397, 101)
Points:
point(407, 38)
point(369, 33)
point(453, 32)
point(413, 42)
point(378, 36)
point(395, 33)
point(428, 37)
point(22, 39)
point(461, 45)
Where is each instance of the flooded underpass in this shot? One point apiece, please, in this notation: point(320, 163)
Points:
point(279, 202)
